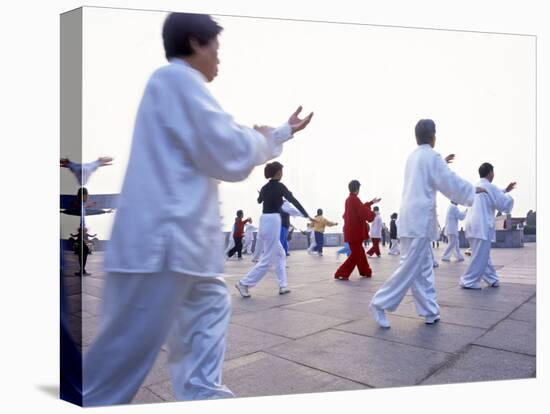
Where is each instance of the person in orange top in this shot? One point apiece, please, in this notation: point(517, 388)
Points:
point(356, 215)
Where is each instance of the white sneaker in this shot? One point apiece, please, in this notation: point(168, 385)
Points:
point(430, 320)
point(379, 316)
point(243, 290)
point(436, 264)
point(445, 260)
point(284, 290)
point(495, 284)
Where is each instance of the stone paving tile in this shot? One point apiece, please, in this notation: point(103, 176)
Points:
point(163, 390)
point(259, 302)
point(242, 341)
point(337, 308)
point(286, 323)
point(526, 312)
point(480, 318)
point(264, 374)
point(364, 359)
point(442, 336)
point(484, 364)
point(145, 396)
point(511, 335)
point(160, 371)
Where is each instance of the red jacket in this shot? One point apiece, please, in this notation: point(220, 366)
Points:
point(238, 227)
point(356, 216)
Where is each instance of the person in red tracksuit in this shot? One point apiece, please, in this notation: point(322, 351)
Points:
point(356, 215)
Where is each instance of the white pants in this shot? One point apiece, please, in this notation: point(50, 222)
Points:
point(273, 252)
point(139, 312)
point(394, 249)
point(480, 266)
point(247, 246)
point(452, 248)
point(230, 243)
point(312, 243)
point(416, 272)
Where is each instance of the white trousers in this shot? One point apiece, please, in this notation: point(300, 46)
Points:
point(452, 248)
point(416, 272)
point(230, 243)
point(247, 245)
point(273, 252)
point(394, 249)
point(481, 266)
point(312, 243)
point(139, 312)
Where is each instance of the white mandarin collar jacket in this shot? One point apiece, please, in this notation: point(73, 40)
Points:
point(183, 144)
point(426, 173)
point(480, 220)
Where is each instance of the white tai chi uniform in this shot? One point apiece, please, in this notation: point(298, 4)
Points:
point(158, 279)
point(249, 230)
point(425, 174)
point(480, 231)
point(454, 215)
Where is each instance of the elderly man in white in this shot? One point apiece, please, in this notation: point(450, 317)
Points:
point(454, 215)
point(165, 258)
point(426, 173)
point(480, 228)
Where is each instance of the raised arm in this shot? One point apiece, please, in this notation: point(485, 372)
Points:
point(450, 184)
point(214, 142)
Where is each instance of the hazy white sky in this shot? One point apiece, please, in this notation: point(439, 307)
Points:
point(367, 86)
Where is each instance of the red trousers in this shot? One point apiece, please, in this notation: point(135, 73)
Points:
point(356, 258)
point(375, 249)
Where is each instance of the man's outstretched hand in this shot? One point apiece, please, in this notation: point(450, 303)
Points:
point(296, 123)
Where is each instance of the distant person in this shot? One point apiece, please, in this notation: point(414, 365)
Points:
point(248, 240)
point(311, 238)
point(375, 233)
point(273, 254)
point(480, 228)
point(394, 242)
point(164, 272)
point(83, 248)
point(426, 173)
point(454, 215)
point(356, 214)
point(319, 225)
point(238, 234)
point(83, 172)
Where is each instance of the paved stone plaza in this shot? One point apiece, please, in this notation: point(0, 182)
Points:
point(321, 336)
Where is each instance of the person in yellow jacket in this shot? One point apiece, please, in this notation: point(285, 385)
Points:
point(319, 224)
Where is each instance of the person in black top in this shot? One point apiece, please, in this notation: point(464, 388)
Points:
point(271, 195)
point(394, 243)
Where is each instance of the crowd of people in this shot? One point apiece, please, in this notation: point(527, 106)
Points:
point(169, 286)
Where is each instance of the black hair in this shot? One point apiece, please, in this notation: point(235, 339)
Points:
point(82, 191)
point(180, 28)
point(240, 213)
point(485, 169)
point(393, 216)
point(353, 186)
point(376, 208)
point(424, 131)
point(272, 168)
point(319, 211)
